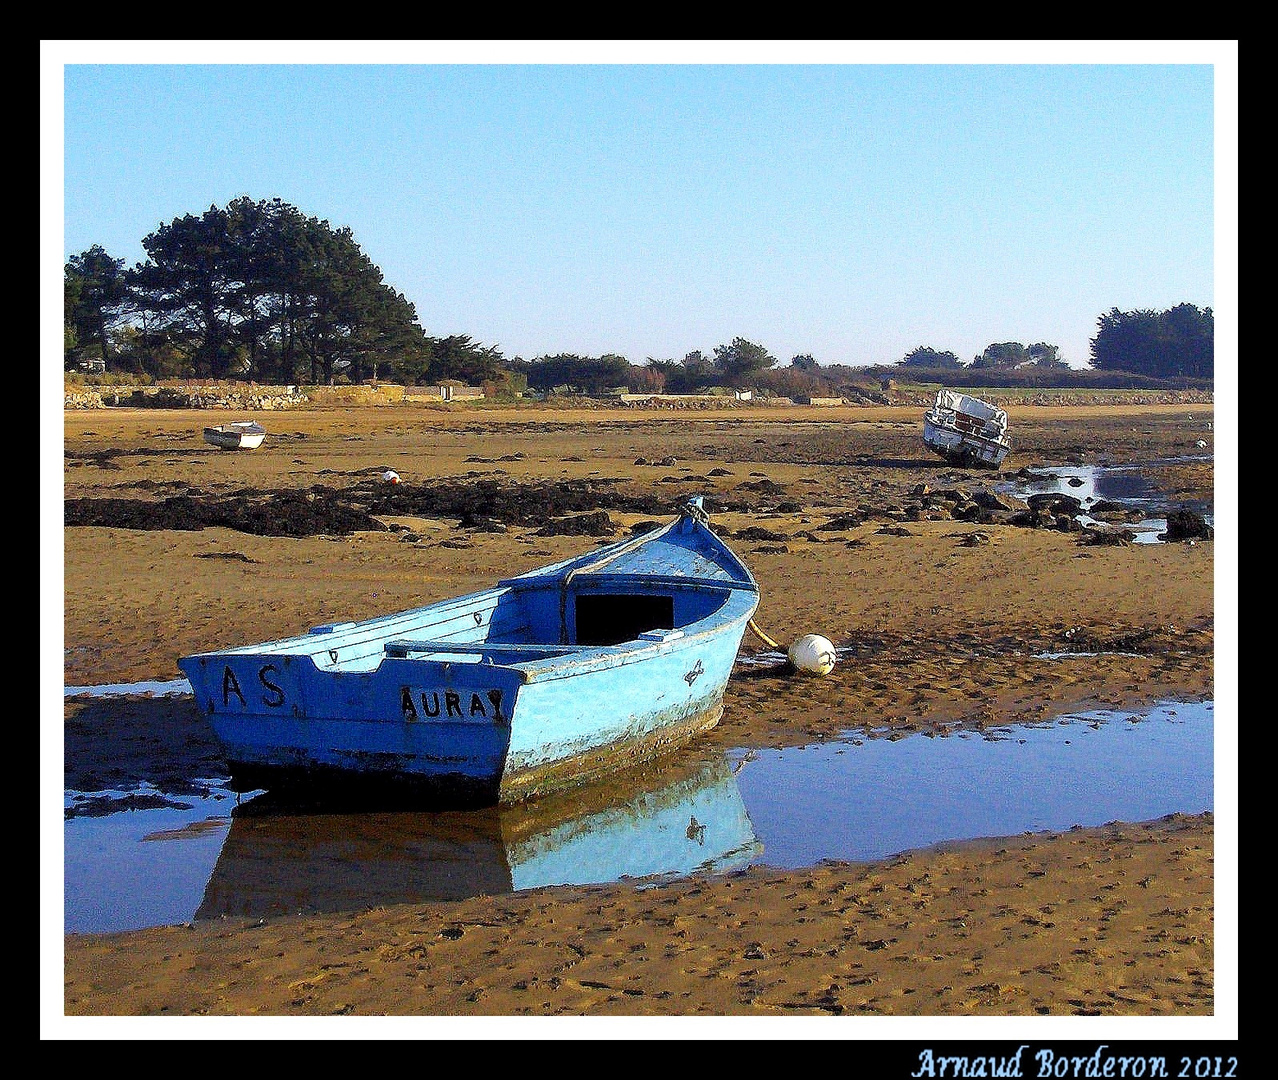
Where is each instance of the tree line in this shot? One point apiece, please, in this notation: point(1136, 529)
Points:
point(258, 290)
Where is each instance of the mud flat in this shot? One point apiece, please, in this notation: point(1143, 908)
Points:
point(849, 526)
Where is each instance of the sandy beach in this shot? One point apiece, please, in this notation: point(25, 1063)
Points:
point(939, 620)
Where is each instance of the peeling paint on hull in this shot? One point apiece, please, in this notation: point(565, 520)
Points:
point(536, 780)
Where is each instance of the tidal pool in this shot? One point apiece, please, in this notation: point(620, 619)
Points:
point(1128, 485)
point(861, 798)
point(871, 798)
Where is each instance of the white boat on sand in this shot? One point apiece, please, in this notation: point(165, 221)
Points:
point(244, 435)
point(966, 431)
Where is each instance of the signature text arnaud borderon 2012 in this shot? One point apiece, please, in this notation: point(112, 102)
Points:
point(1103, 1062)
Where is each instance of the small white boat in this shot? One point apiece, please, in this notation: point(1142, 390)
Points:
point(966, 431)
point(244, 435)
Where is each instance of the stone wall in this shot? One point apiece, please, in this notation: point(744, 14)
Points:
point(246, 397)
point(239, 398)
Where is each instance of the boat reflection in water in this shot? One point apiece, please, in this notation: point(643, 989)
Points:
point(658, 820)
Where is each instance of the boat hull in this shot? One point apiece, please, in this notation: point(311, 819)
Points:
point(963, 449)
point(428, 731)
point(225, 439)
point(578, 727)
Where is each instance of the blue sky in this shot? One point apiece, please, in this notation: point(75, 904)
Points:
point(822, 204)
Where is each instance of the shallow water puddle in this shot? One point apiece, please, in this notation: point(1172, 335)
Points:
point(1090, 484)
point(861, 798)
point(147, 688)
point(139, 868)
point(872, 798)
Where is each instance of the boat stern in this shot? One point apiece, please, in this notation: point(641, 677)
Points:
point(434, 729)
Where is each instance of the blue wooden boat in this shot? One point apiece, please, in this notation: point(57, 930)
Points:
point(550, 678)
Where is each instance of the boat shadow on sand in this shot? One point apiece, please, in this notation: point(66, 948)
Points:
point(124, 743)
point(915, 465)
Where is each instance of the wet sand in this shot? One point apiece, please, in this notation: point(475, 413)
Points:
point(939, 625)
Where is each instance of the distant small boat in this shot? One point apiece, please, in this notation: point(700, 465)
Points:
point(553, 677)
point(966, 431)
point(244, 435)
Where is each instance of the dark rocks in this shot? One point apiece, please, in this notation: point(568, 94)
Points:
point(993, 500)
point(597, 523)
point(1026, 519)
point(1186, 524)
point(481, 523)
point(1055, 503)
point(1105, 537)
point(1114, 512)
point(320, 511)
point(842, 523)
point(757, 532)
point(974, 512)
point(764, 486)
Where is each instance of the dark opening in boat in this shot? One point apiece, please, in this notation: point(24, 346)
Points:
point(611, 619)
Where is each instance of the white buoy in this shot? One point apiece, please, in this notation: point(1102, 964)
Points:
point(812, 654)
point(391, 476)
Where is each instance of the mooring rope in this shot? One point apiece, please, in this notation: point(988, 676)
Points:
point(763, 637)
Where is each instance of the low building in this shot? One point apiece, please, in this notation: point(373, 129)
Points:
point(454, 391)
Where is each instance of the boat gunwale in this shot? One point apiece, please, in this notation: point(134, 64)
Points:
point(571, 659)
point(569, 570)
point(1001, 443)
point(319, 640)
point(238, 427)
point(584, 659)
point(997, 448)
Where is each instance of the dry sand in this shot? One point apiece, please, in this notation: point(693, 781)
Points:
point(940, 629)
